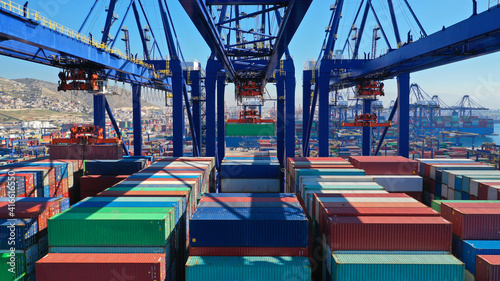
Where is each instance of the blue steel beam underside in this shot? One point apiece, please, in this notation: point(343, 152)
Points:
point(202, 19)
point(475, 36)
point(31, 37)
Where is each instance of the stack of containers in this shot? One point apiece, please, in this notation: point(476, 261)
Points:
point(476, 240)
point(23, 233)
point(248, 236)
point(390, 166)
point(457, 183)
point(384, 236)
point(144, 214)
point(432, 171)
point(390, 183)
point(302, 163)
point(102, 174)
point(31, 193)
point(42, 178)
point(250, 174)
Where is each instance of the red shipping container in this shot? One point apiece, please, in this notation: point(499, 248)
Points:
point(389, 234)
point(86, 267)
point(41, 211)
point(99, 182)
point(3, 189)
point(476, 223)
point(324, 214)
point(248, 251)
point(29, 182)
point(487, 268)
point(483, 189)
point(447, 208)
point(385, 165)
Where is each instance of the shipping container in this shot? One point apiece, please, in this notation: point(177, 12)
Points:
point(23, 233)
point(396, 267)
point(85, 267)
point(202, 268)
point(488, 268)
point(249, 227)
point(249, 251)
point(389, 233)
point(472, 248)
point(385, 165)
point(475, 223)
point(12, 271)
point(109, 229)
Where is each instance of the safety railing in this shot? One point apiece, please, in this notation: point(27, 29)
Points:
point(31, 14)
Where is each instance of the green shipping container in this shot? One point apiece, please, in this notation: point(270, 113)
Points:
point(248, 268)
point(109, 229)
point(395, 267)
point(12, 271)
point(126, 210)
point(235, 129)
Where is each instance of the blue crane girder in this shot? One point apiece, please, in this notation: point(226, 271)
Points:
point(475, 36)
point(295, 10)
point(28, 40)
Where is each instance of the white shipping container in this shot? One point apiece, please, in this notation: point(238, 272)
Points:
point(493, 192)
point(451, 194)
point(401, 183)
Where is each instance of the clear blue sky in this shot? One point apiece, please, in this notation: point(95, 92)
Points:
point(478, 77)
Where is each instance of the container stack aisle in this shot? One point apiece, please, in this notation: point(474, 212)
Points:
point(249, 236)
point(366, 232)
point(31, 192)
point(250, 174)
point(137, 224)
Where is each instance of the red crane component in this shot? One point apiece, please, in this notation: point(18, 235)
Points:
point(249, 89)
point(250, 116)
point(370, 88)
point(86, 135)
point(77, 79)
point(366, 120)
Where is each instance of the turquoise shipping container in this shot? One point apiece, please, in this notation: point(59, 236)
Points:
point(248, 268)
point(394, 267)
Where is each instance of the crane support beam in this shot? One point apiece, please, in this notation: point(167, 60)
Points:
point(280, 117)
point(473, 37)
point(137, 119)
point(403, 115)
point(306, 105)
point(202, 19)
point(25, 37)
point(247, 2)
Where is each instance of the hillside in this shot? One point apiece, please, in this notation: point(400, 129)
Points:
point(31, 99)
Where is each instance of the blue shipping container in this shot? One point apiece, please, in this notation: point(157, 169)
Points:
point(472, 248)
point(23, 232)
point(246, 227)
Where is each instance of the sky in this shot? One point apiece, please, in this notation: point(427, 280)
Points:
point(478, 77)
